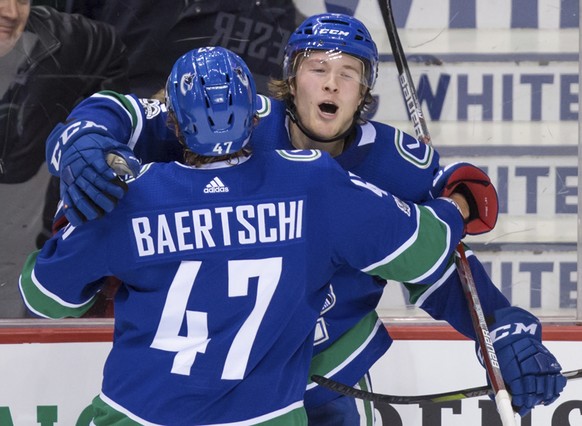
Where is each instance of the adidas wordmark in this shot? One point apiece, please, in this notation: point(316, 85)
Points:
point(214, 186)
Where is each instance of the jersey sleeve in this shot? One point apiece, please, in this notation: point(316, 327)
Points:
point(390, 238)
point(392, 160)
point(124, 118)
point(63, 278)
point(445, 299)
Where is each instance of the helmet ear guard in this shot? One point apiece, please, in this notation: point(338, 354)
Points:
point(212, 95)
point(333, 32)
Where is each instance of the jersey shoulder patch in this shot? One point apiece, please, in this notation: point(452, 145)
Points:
point(412, 150)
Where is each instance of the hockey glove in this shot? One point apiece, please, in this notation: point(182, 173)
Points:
point(530, 372)
point(476, 187)
point(89, 186)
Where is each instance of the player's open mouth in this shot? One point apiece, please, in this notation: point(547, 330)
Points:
point(328, 108)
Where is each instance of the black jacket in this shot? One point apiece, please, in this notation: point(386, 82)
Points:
point(159, 32)
point(73, 58)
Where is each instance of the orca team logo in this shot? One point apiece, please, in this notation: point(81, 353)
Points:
point(242, 77)
point(215, 186)
point(186, 83)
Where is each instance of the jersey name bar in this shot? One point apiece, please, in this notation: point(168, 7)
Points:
point(218, 227)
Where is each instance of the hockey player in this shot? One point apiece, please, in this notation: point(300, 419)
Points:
point(330, 68)
point(317, 105)
point(226, 258)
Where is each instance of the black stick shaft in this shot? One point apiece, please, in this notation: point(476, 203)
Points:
point(406, 83)
point(415, 399)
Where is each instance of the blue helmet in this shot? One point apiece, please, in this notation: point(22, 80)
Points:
point(333, 32)
point(212, 94)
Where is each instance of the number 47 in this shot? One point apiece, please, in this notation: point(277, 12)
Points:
point(222, 148)
point(167, 338)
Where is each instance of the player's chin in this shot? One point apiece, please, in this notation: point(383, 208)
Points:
point(327, 130)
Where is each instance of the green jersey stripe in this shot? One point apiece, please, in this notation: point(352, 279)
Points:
point(428, 249)
point(348, 345)
point(43, 302)
point(107, 412)
point(131, 107)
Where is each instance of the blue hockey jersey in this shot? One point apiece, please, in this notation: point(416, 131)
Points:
point(349, 336)
point(396, 162)
point(225, 270)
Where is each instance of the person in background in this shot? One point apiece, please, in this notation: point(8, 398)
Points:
point(49, 61)
point(330, 68)
point(156, 33)
point(225, 257)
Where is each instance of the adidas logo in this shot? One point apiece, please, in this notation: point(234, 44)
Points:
point(214, 186)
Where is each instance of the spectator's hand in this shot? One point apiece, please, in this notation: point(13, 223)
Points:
point(531, 373)
point(89, 186)
point(476, 187)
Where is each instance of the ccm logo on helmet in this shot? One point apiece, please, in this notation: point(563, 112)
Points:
point(333, 32)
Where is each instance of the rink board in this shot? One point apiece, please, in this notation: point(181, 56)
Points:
point(52, 383)
point(425, 367)
point(537, 189)
point(542, 281)
point(531, 255)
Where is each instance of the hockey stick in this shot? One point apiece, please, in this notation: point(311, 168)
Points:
point(502, 397)
point(406, 84)
point(415, 399)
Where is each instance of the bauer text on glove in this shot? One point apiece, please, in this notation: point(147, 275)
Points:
point(530, 371)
